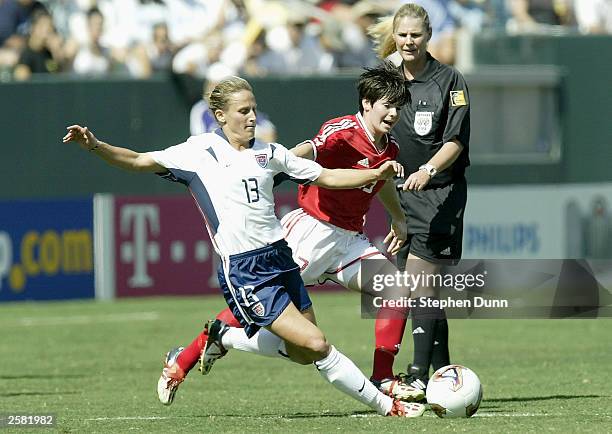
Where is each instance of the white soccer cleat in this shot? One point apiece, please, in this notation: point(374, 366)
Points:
point(171, 377)
point(213, 350)
point(397, 389)
point(406, 409)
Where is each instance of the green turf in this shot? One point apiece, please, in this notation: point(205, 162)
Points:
point(95, 366)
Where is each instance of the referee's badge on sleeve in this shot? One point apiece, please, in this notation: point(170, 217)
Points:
point(422, 122)
point(457, 98)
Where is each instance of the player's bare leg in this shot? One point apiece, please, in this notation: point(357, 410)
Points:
point(309, 314)
point(307, 343)
point(304, 341)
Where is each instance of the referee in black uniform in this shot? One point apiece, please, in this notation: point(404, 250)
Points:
point(433, 133)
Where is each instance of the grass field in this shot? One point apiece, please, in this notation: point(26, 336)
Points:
point(95, 366)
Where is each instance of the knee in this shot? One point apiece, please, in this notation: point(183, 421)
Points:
point(317, 347)
point(310, 350)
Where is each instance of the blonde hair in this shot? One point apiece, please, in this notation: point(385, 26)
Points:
point(221, 93)
point(382, 32)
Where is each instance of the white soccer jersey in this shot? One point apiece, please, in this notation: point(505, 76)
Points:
point(233, 189)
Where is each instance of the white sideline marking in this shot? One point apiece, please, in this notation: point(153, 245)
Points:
point(101, 419)
point(516, 414)
point(130, 418)
point(87, 319)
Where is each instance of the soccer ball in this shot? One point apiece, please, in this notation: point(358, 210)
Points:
point(454, 391)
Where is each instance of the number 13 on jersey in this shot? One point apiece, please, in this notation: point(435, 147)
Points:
point(251, 188)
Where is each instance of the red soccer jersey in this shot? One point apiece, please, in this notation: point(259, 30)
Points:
point(345, 143)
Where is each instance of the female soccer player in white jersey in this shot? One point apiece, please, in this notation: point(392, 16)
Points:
point(325, 233)
point(230, 175)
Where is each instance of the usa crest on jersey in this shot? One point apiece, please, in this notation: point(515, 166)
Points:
point(423, 122)
point(262, 160)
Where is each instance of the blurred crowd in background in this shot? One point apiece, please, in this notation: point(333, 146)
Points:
point(213, 38)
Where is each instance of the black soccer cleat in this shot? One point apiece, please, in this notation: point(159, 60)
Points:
point(213, 350)
point(416, 378)
point(397, 389)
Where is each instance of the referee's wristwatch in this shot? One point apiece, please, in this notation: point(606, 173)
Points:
point(429, 169)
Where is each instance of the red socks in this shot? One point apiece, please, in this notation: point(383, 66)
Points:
point(191, 354)
point(389, 331)
point(227, 317)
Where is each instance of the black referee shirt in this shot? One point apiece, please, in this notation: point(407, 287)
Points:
point(439, 111)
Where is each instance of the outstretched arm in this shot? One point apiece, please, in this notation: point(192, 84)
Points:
point(119, 157)
point(354, 178)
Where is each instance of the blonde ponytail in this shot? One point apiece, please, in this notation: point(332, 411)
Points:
point(382, 35)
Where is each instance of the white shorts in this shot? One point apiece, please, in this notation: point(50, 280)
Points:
point(324, 251)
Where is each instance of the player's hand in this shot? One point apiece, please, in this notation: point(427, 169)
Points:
point(397, 236)
point(82, 136)
point(416, 181)
point(390, 169)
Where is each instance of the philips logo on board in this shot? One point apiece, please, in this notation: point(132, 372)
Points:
point(512, 238)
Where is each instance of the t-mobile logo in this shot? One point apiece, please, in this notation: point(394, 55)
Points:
point(136, 219)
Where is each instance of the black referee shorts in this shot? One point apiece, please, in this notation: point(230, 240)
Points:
point(435, 223)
